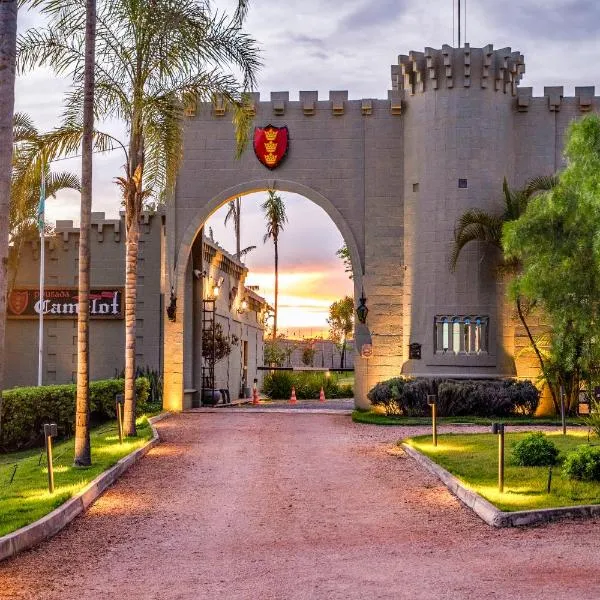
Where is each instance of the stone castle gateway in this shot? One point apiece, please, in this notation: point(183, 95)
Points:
point(393, 175)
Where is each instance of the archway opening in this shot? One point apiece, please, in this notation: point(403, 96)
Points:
point(231, 336)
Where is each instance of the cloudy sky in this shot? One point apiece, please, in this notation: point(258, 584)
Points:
point(325, 45)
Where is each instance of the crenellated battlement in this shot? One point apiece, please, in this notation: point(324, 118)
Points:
point(101, 225)
point(308, 104)
point(498, 70)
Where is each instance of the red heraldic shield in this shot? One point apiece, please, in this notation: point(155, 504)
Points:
point(271, 145)
point(18, 301)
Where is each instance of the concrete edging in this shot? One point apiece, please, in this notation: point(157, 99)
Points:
point(49, 525)
point(492, 515)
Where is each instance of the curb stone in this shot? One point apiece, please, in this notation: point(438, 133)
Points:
point(49, 525)
point(494, 516)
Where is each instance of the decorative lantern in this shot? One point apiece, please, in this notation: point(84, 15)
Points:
point(362, 311)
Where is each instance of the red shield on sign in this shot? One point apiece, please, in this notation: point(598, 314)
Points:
point(271, 145)
point(17, 301)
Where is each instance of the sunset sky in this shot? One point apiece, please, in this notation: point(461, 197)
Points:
point(316, 45)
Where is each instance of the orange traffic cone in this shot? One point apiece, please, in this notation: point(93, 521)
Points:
point(255, 399)
point(322, 395)
point(293, 398)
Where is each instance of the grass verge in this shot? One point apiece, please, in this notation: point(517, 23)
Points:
point(26, 499)
point(372, 417)
point(473, 458)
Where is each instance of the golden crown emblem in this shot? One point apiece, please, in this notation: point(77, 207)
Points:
point(271, 159)
point(270, 147)
point(271, 134)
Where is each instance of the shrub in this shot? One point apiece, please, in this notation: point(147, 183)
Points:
point(25, 410)
point(278, 385)
point(583, 463)
point(535, 450)
point(485, 398)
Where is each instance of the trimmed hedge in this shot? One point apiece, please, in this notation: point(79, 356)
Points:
point(278, 385)
point(480, 398)
point(25, 410)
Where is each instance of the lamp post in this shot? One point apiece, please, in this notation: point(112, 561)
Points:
point(431, 401)
point(498, 429)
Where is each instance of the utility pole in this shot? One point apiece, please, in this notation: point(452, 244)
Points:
point(458, 23)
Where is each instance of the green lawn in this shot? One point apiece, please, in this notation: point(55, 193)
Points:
point(375, 417)
point(473, 458)
point(27, 499)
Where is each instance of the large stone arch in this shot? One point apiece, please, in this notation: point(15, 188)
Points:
point(177, 351)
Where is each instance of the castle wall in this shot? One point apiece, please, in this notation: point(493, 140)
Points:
point(344, 155)
point(107, 337)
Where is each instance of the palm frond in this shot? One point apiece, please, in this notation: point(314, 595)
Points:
point(475, 226)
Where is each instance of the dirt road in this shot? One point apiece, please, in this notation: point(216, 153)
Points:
point(294, 506)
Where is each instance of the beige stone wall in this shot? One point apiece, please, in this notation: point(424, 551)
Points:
point(107, 338)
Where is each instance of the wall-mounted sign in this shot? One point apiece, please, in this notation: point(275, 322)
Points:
point(63, 303)
point(271, 145)
point(414, 351)
point(366, 350)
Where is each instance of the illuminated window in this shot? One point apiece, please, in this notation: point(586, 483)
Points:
point(460, 334)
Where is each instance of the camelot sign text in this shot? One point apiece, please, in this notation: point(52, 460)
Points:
point(63, 303)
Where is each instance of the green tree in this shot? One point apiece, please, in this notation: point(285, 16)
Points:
point(341, 324)
point(344, 254)
point(8, 36)
point(234, 212)
point(556, 241)
point(308, 354)
point(154, 60)
point(274, 209)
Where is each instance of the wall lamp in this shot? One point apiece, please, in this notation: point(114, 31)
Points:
point(243, 307)
point(361, 310)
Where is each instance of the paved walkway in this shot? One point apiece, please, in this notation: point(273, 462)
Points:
point(295, 506)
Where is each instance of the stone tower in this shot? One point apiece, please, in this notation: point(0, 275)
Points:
point(459, 145)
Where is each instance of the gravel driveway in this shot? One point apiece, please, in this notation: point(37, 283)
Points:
point(242, 505)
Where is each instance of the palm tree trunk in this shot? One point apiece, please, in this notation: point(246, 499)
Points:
point(8, 44)
point(82, 412)
point(131, 266)
point(276, 288)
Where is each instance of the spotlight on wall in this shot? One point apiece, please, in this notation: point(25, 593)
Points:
point(243, 306)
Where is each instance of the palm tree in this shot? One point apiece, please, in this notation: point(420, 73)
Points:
point(83, 455)
point(274, 210)
point(30, 157)
point(153, 61)
point(480, 226)
point(234, 212)
point(8, 37)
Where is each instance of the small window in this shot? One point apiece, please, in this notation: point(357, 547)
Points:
point(462, 183)
point(415, 187)
point(461, 334)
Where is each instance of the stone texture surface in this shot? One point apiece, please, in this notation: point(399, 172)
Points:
point(294, 506)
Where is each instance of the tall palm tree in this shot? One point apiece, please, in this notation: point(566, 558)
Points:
point(234, 212)
point(274, 209)
point(83, 455)
point(154, 60)
point(8, 36)
point(480, 226)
